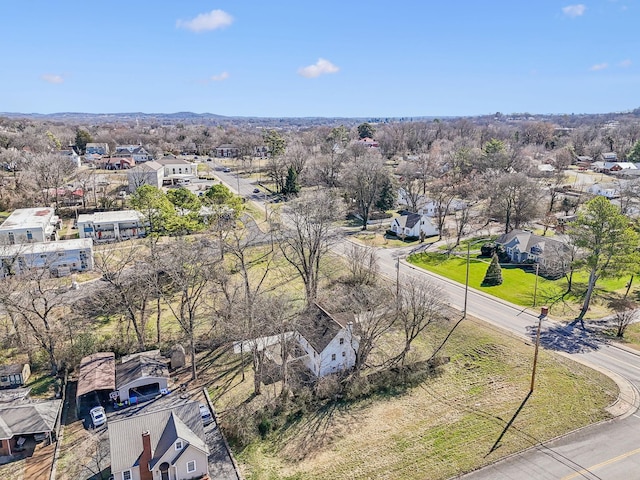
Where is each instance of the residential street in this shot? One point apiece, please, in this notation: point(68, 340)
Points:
point(605, 451)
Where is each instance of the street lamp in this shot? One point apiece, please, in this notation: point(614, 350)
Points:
point(466, 282)
point(543, 314)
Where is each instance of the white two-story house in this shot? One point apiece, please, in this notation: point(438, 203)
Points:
point(329, 342)
point(30, 225)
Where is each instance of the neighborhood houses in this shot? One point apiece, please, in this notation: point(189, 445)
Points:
point(198, 299)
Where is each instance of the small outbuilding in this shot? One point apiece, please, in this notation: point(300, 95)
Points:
point(141, 376)
point(14, 375)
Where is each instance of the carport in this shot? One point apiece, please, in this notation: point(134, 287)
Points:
point(96, 380)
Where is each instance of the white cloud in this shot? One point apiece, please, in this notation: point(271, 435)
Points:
point(207, 21)
point(51, 78)
point(625, 63)
point(599, 66)
point(574, 10)
point(321, 67)
point(218, 78)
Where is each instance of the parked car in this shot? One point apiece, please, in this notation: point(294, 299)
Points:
point(98, 416)
point(256, 190)
point(226, 170)
point(207, 418)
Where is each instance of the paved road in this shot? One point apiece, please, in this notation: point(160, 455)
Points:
point(609, 450)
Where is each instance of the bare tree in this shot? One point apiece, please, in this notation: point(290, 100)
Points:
point(625, 312)
point(36, 300)
point(189, 265)
point(420, 304)
point(129, 283)
point(304, 235)
point(363, 178)
point(513, 198)
point(362, 263)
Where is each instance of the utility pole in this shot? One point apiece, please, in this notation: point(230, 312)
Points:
point(398, 277)
point(543, 314)
point(535, 287)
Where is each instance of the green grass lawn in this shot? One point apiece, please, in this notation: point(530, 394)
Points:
point(518, 285)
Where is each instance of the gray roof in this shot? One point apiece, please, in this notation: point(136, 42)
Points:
point(172, 161)
point(28, 419)
point(321, 327)
point(408, 219)
point(141, 365)
point(13, 369)
point(164, 427)
point(149, 166)
point(527, 241)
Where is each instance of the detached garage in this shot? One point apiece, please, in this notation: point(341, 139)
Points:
point(141, 376)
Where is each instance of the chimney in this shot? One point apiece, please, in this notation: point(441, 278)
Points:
point(145, 458)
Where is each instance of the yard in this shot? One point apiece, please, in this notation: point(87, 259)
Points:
point(451, 423)
point(519, 285)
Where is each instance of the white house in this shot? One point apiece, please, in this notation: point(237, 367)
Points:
point(174, 166)
point(606, 167)
point(413, 225)
point(61, 258)
point(605, 190)
point(148, 173)
point(28, 225)
point(137, 152)
point(328, 341)
point(167, 444)
point(111, 226)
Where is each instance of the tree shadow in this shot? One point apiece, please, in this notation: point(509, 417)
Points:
point(496, 445)
point(569, 338)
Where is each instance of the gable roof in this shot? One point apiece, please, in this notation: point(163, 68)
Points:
point(408, 219)
point(175, 429)
point(166, 426)
point(321, 327)
point(141, 365)
point(150, 166)
point(28, 419)
point(530, 243)
point(97, 372)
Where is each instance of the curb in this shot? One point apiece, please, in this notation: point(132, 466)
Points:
point(628, 400)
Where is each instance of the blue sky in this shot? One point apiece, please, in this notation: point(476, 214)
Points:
point(320, 58)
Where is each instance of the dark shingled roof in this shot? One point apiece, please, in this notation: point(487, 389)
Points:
point(321, 327)
point(97, 372)
point(141, 365)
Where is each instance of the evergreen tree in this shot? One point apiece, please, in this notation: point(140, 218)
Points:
point(494, 273)
point(366, 130)
point(82, 138)
point(291, 186)
point(387, 199)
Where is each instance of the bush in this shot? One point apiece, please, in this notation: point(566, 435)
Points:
point(328, 387)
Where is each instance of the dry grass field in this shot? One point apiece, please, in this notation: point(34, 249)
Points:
point(451, 423)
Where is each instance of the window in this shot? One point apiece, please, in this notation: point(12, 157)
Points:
point(333, 357)
point(341, 341)
point(344, 354)
point(126, 475)
point(29, 235)
point(178, 444)
point(191, 466)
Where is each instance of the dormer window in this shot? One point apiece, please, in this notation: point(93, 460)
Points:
point(179, 445)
